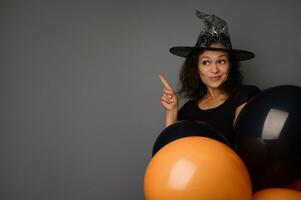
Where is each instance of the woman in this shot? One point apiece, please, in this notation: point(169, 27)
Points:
point(210, 78)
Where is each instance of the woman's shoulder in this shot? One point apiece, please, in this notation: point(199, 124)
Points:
point(249, 90)
point(188, 104)
point(245, 93)
point(188, 107)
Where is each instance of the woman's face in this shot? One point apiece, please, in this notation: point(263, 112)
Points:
point(213, 68)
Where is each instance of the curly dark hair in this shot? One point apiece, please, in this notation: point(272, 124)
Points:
point(192, 86)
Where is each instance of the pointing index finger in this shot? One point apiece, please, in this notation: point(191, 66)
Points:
point(164, 82)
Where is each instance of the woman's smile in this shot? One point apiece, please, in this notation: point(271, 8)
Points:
point(215, 78)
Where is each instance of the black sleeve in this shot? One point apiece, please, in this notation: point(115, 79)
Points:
point(246, 93)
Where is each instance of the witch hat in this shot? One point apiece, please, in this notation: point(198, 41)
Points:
point(215, 31)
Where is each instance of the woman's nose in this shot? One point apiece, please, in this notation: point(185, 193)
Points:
point(214, 68)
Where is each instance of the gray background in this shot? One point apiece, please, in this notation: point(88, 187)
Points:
point(79, 88)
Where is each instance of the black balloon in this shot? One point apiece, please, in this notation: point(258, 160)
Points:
point(268, 137)
point(185, 129)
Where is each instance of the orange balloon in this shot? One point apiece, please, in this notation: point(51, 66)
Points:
point(194, 168)
point(277, 194)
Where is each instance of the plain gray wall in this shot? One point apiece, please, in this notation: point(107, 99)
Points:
point(79, 100)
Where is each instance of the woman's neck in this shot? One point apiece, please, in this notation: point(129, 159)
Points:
point(216, 93)
point(213, 99)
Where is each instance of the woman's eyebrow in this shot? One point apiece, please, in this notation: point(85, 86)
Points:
point(204, 57)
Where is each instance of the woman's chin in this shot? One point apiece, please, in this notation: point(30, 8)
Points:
point(215, 85)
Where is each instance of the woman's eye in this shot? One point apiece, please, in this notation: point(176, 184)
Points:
point(205, 62)
point(222, 61)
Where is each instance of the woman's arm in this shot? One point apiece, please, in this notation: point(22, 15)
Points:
point(237, 111)
point(245, 95)
point(171, 117)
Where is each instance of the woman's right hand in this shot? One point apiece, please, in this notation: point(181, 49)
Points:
point(169, 98)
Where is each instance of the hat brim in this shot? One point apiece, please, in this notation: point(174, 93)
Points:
point(236, 54)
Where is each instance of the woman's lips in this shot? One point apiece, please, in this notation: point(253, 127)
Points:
point(215, 78)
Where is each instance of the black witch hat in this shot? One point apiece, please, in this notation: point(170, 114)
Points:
point(215, 31)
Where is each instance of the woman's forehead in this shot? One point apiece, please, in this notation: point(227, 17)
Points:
point(213, 54)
